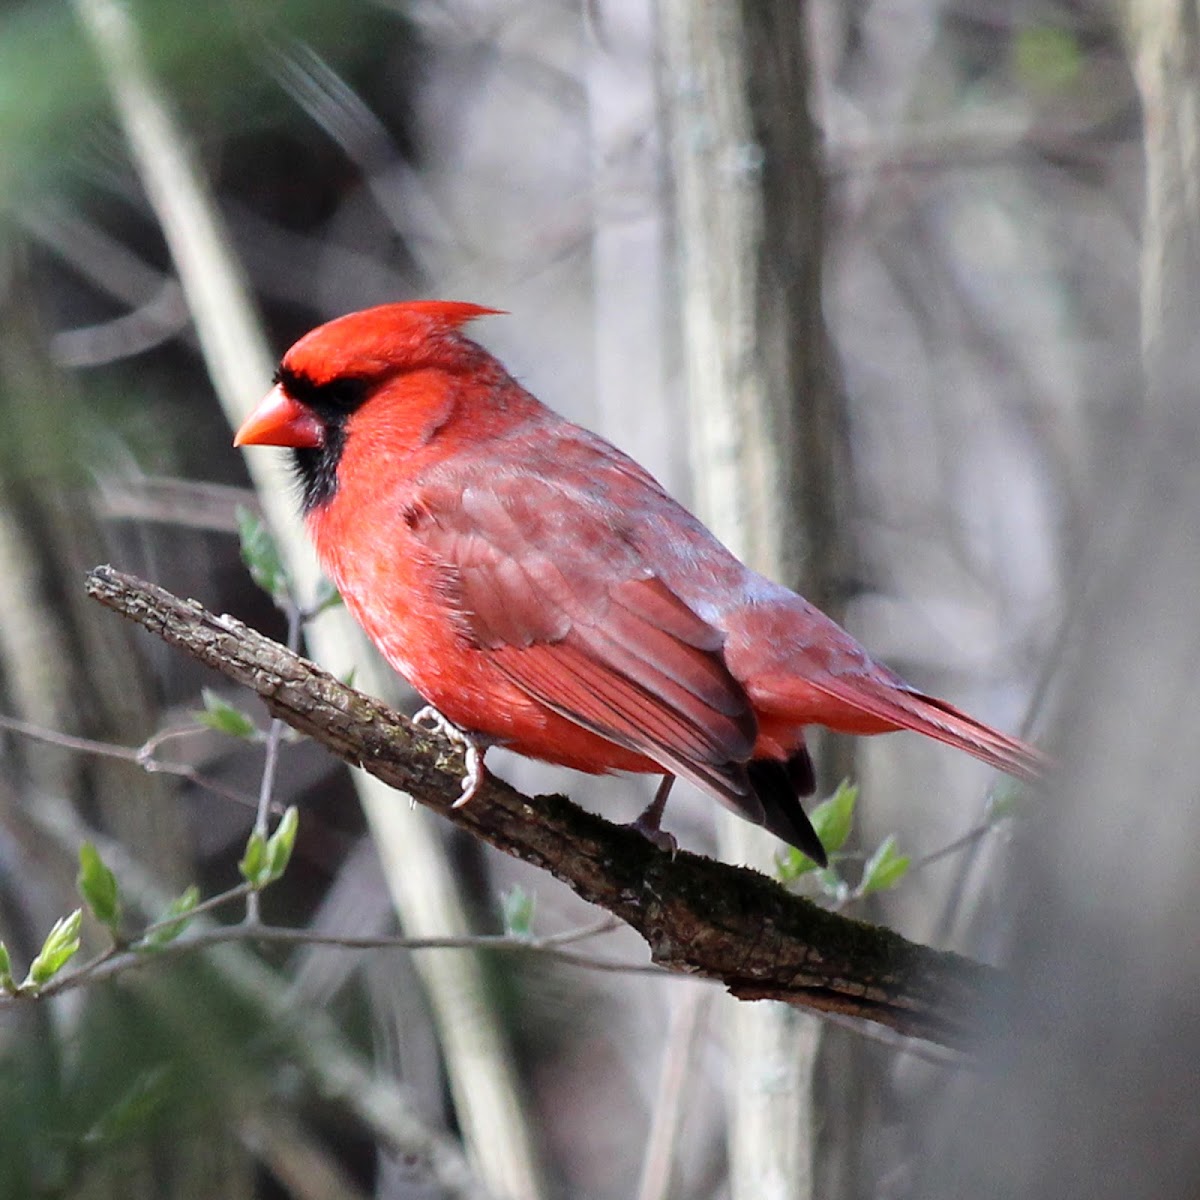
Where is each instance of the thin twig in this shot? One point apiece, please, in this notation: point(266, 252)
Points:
point(938, 1056)
point(133, 952)
point(266, 787)
point(116, 960)
point(975, 834)
point(130, 754)
point(204, 906)
point(149, 748)
point(339, 1073)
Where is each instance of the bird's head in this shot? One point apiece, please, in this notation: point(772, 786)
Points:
point(384, 365)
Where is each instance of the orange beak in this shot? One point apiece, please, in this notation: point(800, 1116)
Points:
point(281, 421)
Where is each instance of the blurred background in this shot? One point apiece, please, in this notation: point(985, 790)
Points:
point(880, 288)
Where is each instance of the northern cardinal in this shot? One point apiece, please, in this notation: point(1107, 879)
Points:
point(544, 593)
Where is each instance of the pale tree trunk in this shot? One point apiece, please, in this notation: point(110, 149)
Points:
point(768, 449)
point(1094, 1094)
point(482, 1073)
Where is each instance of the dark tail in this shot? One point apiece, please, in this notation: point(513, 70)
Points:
point(779, 786)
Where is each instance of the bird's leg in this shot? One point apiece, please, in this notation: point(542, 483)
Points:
point(648, 824)
point(429, 718)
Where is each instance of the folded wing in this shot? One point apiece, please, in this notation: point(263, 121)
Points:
point(547, 582)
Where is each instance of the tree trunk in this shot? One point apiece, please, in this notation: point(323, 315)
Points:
point(769, 452)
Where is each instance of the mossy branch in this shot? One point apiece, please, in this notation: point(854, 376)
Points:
point(698, 916)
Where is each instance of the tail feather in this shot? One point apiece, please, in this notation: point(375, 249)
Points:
point(900, 707)
point(779, 786)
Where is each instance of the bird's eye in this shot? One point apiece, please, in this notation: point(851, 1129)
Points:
point(343, 395)
point(332, 398)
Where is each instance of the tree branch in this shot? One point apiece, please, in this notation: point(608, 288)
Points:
point(698, 916)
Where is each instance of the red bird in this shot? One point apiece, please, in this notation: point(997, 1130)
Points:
point(545, 594)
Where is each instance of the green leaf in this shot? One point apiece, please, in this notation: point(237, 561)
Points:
point(832, 819)
point(885, 868)
point(261, 556)
point(179, 907)
point(224, 717)
point(518, 907)
point(281, 843)
point(254, 865)
point(57, 950)
point(98, 887)
point(7, 986)
point(266, 859)
point(791, 863)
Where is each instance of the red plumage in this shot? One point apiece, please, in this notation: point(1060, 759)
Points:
point(542, 590)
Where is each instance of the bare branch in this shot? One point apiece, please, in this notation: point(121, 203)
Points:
point(142, 756)
point(266, 789)
point(116, 960)
point(698, 916)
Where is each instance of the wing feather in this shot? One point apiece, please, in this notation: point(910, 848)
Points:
point(567, 681)
point(690, 681)
point(546, 581)
point(655, 603)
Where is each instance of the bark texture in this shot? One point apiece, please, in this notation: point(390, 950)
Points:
point(698, 916)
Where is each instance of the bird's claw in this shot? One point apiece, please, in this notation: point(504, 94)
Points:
point(647, 823)
point(655, 835)
point(429, 718)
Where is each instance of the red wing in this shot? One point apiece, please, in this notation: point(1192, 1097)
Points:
point(544, 579)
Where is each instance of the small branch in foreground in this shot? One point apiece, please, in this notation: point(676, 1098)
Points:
point(698, 916)
point(116, 960)
point(143, 756)
point(266, 788)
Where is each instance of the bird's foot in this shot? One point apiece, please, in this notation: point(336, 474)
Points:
point(652, 833)
point(429, 718)
point(648, 824)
